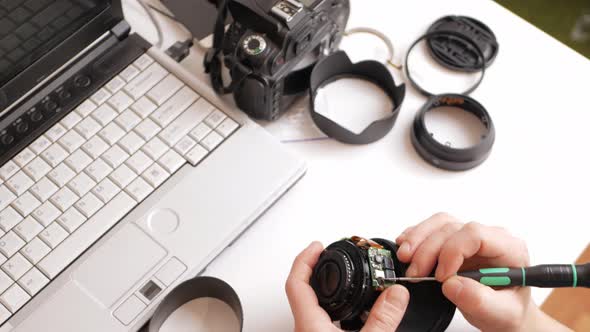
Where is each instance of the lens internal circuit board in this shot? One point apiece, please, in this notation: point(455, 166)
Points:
point(382, 268)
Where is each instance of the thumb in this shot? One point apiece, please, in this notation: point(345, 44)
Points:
point(388, 310)
point(477, 301)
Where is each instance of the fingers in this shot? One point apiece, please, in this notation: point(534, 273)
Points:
point(481, 304)
point(388, 311)
point(426, 255)
point(493, 243)
point(412, 238)
point(303, 301)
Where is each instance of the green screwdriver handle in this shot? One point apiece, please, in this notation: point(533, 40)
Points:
point(544, 276)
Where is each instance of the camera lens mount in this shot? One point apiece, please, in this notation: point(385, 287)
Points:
point(444, 156)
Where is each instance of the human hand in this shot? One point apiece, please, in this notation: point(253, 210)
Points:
point(457, 246)
point(385, 316)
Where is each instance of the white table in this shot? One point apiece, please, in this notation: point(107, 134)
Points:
point(535, 183)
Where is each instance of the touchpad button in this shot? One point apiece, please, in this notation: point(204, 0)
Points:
point(118, 265)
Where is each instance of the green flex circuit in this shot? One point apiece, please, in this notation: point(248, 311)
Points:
point(381, 267)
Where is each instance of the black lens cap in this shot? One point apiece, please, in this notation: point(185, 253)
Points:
point(456, 54)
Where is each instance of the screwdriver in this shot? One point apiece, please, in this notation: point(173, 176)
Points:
point(542, 276)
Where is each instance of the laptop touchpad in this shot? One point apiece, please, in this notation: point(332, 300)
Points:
point(118, 265)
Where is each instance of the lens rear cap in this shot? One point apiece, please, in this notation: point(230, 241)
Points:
point(455, 53)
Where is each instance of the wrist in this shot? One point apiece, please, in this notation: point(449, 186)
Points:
point(538, 321)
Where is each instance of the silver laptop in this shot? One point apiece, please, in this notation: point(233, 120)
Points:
point(122, 174)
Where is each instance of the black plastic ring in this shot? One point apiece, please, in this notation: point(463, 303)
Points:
point(428, 35)
point(446, 157)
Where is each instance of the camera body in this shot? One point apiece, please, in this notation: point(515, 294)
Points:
point(351, 274)
point(271, 46)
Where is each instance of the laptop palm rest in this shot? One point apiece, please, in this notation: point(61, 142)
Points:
point(118, 265)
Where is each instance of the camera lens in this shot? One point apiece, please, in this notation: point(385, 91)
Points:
point(345, 289)
point(341, 280)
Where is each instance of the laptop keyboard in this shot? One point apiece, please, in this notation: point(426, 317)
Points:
point(72, 184)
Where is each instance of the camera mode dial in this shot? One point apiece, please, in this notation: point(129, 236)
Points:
point(254, 45)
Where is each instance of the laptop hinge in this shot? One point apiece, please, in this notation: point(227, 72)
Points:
point(121, 30)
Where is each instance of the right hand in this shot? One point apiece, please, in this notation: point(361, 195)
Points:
point(456, 246)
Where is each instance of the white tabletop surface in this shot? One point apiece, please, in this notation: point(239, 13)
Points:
point(535, 182)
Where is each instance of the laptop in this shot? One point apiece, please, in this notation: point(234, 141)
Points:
point(121, 173)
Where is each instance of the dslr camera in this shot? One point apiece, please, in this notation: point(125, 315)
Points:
point(270, 49)
point(351, 274)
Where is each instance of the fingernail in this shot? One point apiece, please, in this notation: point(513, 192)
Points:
point(440, 273)
point(412, 271)
point(453, 288)
point(405, 248)
point(397, 296)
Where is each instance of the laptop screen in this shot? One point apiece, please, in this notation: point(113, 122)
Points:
point(30, 28)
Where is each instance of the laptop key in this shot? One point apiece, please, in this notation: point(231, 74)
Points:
point(61, 175)
point(115, 84)
point(71, 219)
point(5, 282)
point(139, 189)
point(46, 214)
point(144, 107)
point(40, 144)
point(35, 250)
point(129, 73)
point(196, 155)
point(64, 198)
point(81, 184)
point(28, 229)
point(171, 161)
point(70, 120)
point(37, 169)
point(4, 314)
point(24, 157)
point(16, 266)
point(10, 243)
point(143, 61)
point(78, 160)
point(88, 127)
point(115, 156)
point(155, 175)
point(71, 141)
point(19, 183)
point(120, 101)
point(53, 235)
point(8, 170)
point(127, 120)
point(14, 298)
point(43, 189)
point(95, 147)
point(146, 80)
point(54, 154)
point(25, 204)
point(9, 218)
point(100, 96)
point(89, 204)
point(104, 114)
point(165, 89)
point(6, 197)
point(147, 129)
point(139, 162)
point(55, 132)
point(131, 142)
point(33, 281)
point(98, 170)
point(123, 176)
point(106, 190)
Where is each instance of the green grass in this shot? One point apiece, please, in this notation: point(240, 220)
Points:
point(557, 18)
